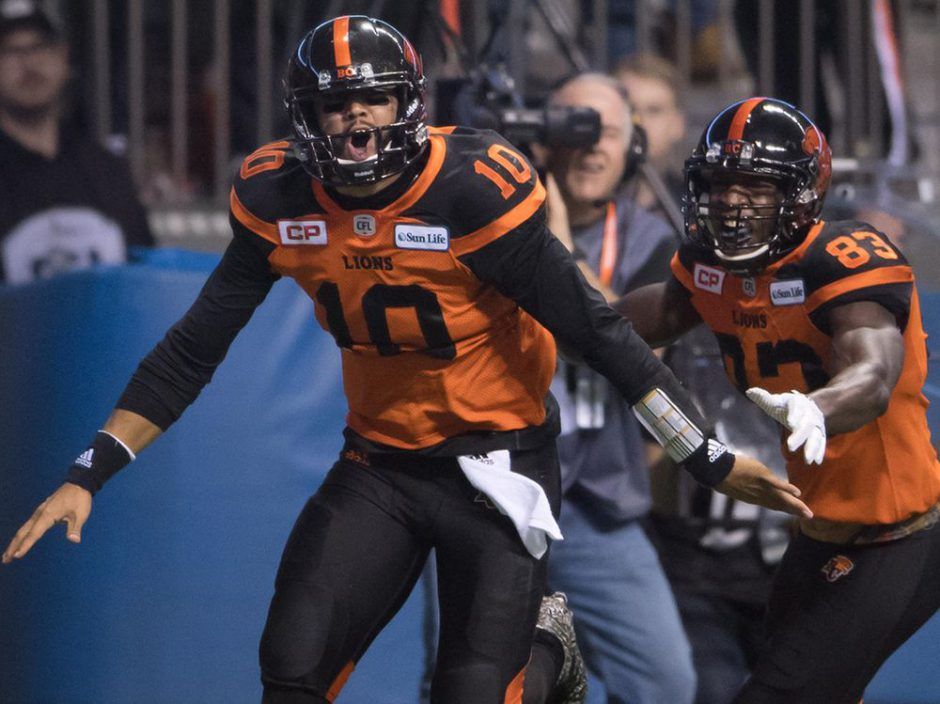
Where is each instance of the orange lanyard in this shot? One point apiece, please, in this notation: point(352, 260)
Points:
point(609, 246)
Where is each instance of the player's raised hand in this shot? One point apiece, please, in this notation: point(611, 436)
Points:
point(70, 504)
point(800, 415)
point(754, 483)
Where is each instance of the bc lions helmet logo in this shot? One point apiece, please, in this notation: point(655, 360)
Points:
point(837, 567)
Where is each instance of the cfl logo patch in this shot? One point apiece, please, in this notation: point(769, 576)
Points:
point(364, 225)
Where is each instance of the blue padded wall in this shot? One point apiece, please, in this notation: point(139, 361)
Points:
point(165, 599)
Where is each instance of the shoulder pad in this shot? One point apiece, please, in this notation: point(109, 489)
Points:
point(850, 261)
point(271, 184)
point(486, 187)
point(847, 254)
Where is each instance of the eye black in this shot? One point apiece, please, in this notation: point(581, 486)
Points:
point(335, 105)
point(378, 98)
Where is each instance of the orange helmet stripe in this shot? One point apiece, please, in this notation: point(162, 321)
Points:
point(736, 131)
point(341, 41)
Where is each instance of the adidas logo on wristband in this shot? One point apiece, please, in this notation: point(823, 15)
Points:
point(85, 459)
point(715, 450)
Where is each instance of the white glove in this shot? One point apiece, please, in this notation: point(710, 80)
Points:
point(800, 415)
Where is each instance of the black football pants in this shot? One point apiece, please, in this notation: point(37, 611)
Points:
point(355, 554)
point(837, 612)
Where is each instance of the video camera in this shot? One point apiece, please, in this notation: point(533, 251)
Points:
point(489, 101)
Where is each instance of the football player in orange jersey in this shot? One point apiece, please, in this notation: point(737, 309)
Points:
point(428, 259)
point(819, 325)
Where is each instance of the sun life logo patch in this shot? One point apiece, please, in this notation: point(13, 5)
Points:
point(787, 293)
point(409, 236)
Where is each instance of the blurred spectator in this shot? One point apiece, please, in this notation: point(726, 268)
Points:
point(622, 26)
point(652, 84)
point(719, 554)
point(67, 202)
point(836, 41)
point(628, 627)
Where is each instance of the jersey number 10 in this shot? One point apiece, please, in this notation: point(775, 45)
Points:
point(376, 301)
point(513, 163)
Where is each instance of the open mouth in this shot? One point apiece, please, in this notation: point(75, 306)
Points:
point(360, 145)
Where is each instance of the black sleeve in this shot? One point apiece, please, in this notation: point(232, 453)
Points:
point(171, 376)
point(656, 268)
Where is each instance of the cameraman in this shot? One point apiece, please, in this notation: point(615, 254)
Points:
point(626, 619)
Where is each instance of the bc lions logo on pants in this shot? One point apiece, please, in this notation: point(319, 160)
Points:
point(837, 567)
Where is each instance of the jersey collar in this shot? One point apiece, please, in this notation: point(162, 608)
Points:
point(796, 254)
point(437, 149)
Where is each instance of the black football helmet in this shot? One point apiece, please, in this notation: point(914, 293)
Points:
point(355, 53)
point(772, 140)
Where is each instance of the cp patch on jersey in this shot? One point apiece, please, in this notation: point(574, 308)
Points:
point(708, 278)
point(301, 232)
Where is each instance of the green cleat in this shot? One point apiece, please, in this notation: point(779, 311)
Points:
point(556, 618)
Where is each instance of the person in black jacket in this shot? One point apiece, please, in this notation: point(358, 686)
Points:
point(67, 203)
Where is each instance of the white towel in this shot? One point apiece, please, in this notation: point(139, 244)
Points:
point(516, 496)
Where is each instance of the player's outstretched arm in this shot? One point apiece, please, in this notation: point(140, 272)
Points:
point(659, 312)
point(124, 435)
point(866, 360)
point(752, 482)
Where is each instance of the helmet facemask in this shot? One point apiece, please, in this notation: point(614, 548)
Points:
point(747, 237)
point(333, 159)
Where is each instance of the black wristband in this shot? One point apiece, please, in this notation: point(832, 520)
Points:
point(710, 463)
point(97, 464)
point(578, 255)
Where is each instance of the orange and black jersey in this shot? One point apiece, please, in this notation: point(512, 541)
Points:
point(440, 291)
point(429, 349)
point(773, 331)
